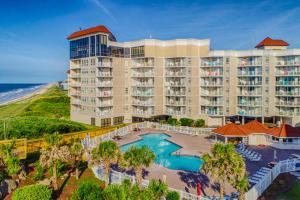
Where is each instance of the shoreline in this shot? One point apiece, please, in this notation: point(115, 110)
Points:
point(41, 90)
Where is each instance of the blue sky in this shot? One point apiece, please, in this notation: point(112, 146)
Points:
point(33, 45)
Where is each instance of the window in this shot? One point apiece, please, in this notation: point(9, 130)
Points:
point(105, 122)
point(118, 120)
point(138, 51)
point(79, 48)
point(93, 121)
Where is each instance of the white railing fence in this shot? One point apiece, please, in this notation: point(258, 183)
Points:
point(283, 166)
point(90, 143)
point(118, 177)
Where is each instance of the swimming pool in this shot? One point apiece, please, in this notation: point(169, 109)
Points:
point(163, 150)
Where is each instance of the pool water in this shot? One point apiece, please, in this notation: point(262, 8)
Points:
point(163, 150)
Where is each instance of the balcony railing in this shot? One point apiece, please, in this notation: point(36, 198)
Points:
point(214, 93)
point(146, 74)
point(104, 84)
point(250, 103)
point(175, 112)
point(288, 83)
point(214, 113)
point(104, 74)
point(104, 64)
point(101, 113)
point(105, 104)
point(287, 103)
point(143, 112)
point(75, 101)
point(288, 63)
point(75, 93)
point(75, 84)
point(249, 113)
point(176, 103)
point(287, 93)
point(143, 103)
point(212, 103)
point(105, 94)
point(175, 74)
point(175, 93)
point(75, 75)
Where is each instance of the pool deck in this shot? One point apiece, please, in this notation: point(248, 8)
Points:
point(197, 145)
point(181, 180)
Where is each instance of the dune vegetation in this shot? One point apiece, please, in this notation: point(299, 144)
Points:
point(38, 115)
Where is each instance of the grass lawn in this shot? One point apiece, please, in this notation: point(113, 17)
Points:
point(292, 194)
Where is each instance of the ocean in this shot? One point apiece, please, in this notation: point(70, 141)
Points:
point(11, 91)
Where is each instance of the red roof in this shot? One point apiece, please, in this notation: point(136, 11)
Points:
point(232, 130)
point(270, 42)
point(88, 31)
point(284, 130)
point(256, 127)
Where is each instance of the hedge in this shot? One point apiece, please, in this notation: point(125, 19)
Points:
point(33, 192)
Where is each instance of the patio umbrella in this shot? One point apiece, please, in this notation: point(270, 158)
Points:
point(275, 155)
point(198, 189)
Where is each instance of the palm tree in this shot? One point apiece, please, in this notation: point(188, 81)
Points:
point(137, 158)
point(108, 152)
point(77, 152)
point(158, 189)
point(242, 186)
point(225, 165)
point(53, 153)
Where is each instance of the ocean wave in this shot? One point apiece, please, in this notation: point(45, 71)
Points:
point(17, 93)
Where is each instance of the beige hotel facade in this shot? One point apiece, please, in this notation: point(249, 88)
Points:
point(114, 82)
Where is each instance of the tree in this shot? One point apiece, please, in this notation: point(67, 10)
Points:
point(172, 121)
point(108, 152)
point(186, 122)
point(55, 151)
point(158, 189)
point(225, 165)
point(33, 192)
point(77, 153)
point(199, 123)
point(137, 158)
point(242, 186)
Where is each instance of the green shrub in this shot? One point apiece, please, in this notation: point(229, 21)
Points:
point(88, 190)
point(35, 127)
point(39, 171)
point(199, 123)
point(172, 195)
point(186, 122)
point(172, 121)
point(32, 192)
point(61, 167)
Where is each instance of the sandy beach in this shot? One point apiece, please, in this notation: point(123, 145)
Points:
point(41, 90)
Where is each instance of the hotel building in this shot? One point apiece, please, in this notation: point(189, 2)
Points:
point(113, 82)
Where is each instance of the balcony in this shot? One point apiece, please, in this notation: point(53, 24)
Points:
point(171, 93)
point(142, 75)
point(287, 93)
point(75, 93)
point(143, 112)
point(104, 103)
point(249, 112)
point(175, 103)
point(75, 84)
point(249, 73)
point(212, 62)
point(103, 112)
point(105, 94)
point(104, 84)
point(104, 64)
point(104, 74)
point(213, 112)
point(143, 94)
point(75, 75)
point(287, 113)
point(212, 103)
point(249, 93)
point(143, 103)
point(175, 74)
point(76, 101)
point(288, 83)
point(175, 112)
point(289, 62)
point(288, 103)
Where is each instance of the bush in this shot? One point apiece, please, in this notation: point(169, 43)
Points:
point(39, 171)
point(172, 195)
point(199, 123)
point(33, 192)
point(61, 168)
point(88, 190)
point(35, 127)
point(186, 122)
point(172, 121)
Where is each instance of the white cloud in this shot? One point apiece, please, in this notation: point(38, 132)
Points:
point(103, 8)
